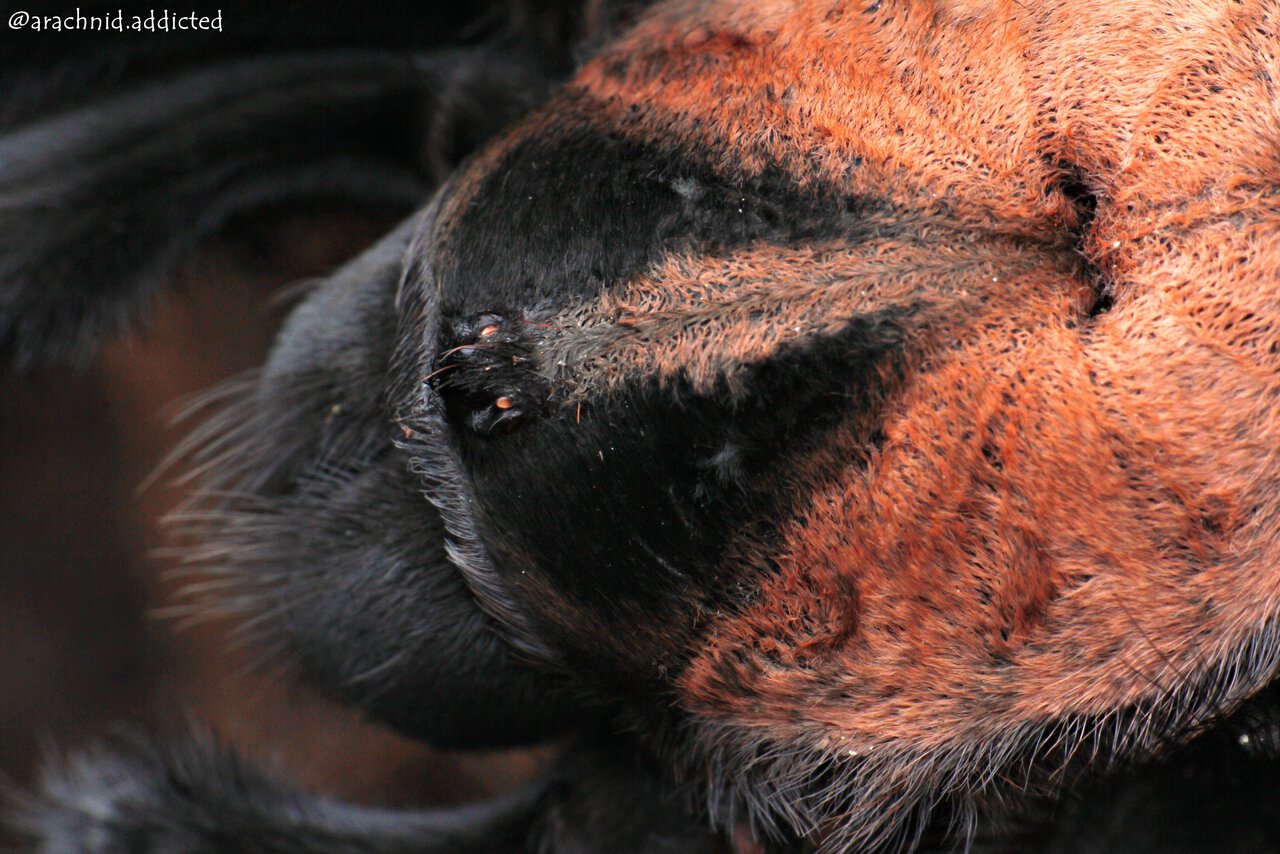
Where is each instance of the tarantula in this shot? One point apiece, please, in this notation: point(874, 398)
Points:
point(852, 425)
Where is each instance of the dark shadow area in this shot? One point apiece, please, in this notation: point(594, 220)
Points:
point(79, 577)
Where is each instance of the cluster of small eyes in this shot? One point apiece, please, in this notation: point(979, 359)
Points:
point(484, 349)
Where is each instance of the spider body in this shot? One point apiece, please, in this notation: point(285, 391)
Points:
point(853, 421)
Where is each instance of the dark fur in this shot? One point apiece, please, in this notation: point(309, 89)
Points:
point(375, 497)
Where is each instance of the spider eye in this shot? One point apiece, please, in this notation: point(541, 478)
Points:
point(504, 402)
point(489, 331)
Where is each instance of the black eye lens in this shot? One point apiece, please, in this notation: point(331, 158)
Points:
point(501, 415)
point(477, 328)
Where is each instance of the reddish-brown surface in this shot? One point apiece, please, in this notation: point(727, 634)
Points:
point(1070, 514)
